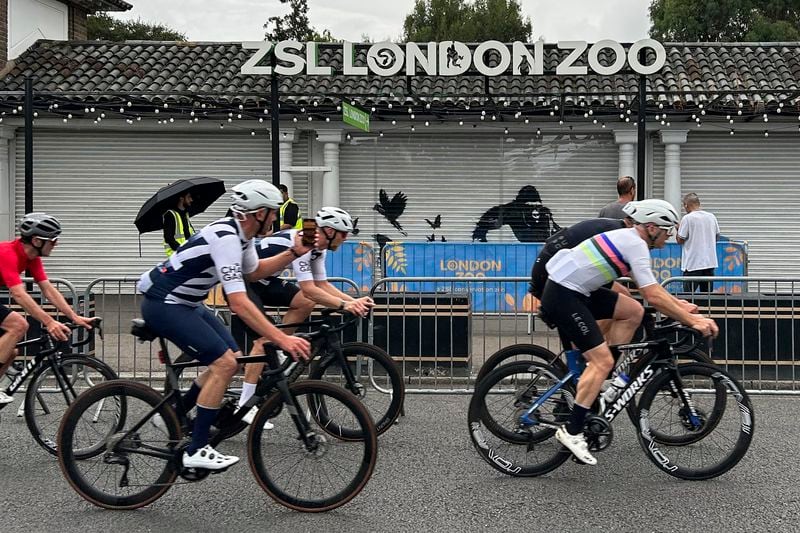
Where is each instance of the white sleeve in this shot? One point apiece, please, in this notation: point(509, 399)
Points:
point(226, 252)
point(249, 259)
point(302, 268)
point(641, 264)
point(318, 267)
point(683, 228)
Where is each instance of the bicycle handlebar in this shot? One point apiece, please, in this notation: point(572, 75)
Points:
point(47, 338)
point(325, 323)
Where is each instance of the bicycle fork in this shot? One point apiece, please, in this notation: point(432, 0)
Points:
point(306, 434)
point(677, 390)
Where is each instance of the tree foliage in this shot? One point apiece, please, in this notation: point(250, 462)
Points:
point(294, 25)
point(725, 20)
point(102, 26)
point(459, 20)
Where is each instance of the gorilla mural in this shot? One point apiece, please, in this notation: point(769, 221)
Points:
point(528, 218)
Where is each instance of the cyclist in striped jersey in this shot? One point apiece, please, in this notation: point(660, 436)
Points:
point(574, 299)
point(312, 288)
point(174, 291)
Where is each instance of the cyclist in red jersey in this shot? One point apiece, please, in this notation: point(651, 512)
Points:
point(38, 236)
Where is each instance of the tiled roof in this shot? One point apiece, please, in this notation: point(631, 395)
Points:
point(93, 6)
point(186, 72)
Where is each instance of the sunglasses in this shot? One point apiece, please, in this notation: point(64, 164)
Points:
point(53, 239)
point(670, 230)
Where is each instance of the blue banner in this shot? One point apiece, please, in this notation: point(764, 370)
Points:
point(424, 259)
point(353, 261)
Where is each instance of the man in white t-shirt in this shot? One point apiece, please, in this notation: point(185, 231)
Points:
point(575, 298)
point(697, 234)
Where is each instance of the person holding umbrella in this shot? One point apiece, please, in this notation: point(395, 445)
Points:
point(223, 252)
point(177, 226)
point(171, 206)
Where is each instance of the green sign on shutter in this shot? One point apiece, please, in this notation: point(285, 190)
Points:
point(355, 117)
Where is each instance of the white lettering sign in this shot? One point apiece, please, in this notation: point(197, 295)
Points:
point(453, 58)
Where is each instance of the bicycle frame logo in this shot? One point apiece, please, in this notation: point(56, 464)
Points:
point(629, 392)
point(21, 376)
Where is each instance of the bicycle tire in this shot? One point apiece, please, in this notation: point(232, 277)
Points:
point(696, 355)
point(138, 399)
point(262, 445)
point(511, 452)
point(381, 367)
point(524, 351)
point(701, 381)
point(42, 423)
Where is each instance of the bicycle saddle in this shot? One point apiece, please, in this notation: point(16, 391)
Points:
point(141, 331)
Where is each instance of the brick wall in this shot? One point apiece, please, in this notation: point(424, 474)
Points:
point(77, 23)
point(3, 33)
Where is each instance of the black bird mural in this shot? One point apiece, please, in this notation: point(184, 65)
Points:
point(437, 222)
point(431, 238)
point(382, 239)
point(355, 227)
point(443, 239)
point(392, 209)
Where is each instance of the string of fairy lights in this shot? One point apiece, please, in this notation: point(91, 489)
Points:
point(509, 114)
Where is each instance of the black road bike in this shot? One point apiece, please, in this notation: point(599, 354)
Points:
point(116, 456)
point(694, 421)
point(57, 376)
point(363, 369)
point(686, 344)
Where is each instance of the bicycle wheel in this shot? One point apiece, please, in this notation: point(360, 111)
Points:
point(692, 356)
point(328, 473)
point(46, 401)
point(700, 448)
point(520, 352)
point(378, 385)
point(116, 475)
point(494, 419)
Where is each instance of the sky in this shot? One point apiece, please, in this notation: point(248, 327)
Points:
point(242, 20)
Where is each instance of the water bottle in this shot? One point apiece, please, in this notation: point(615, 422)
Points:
point(617, 384)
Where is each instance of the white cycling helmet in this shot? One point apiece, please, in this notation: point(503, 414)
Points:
point(251, 195)
point(333, 217)
point(659, 212)
point(39, 225)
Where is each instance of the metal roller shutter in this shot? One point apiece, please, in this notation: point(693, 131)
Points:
point(752, 184)
point(95, 182)
point(460, 176)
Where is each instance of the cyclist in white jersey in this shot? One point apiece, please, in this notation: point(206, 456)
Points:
point(574, 299)
point(333, 227)
point(174, 292)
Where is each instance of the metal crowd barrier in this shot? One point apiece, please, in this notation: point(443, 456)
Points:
point(759, 322)
point(116, 300)
point(439, 330)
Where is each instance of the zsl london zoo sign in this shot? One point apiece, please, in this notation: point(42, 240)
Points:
point(451, 58)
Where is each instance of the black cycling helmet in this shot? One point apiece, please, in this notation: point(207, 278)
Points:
point(39, 225)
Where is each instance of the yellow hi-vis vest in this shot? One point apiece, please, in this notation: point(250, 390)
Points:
point(299, 223)
point(180, 238)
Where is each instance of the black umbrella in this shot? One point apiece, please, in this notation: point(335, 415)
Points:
point(204, 192)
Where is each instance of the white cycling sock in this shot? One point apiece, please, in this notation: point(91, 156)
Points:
point(248, 389)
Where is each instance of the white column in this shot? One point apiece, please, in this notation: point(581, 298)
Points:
point(7, 221)
point(626, 140)
point(673, 139)
point(286, 141)
point(330, 139)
